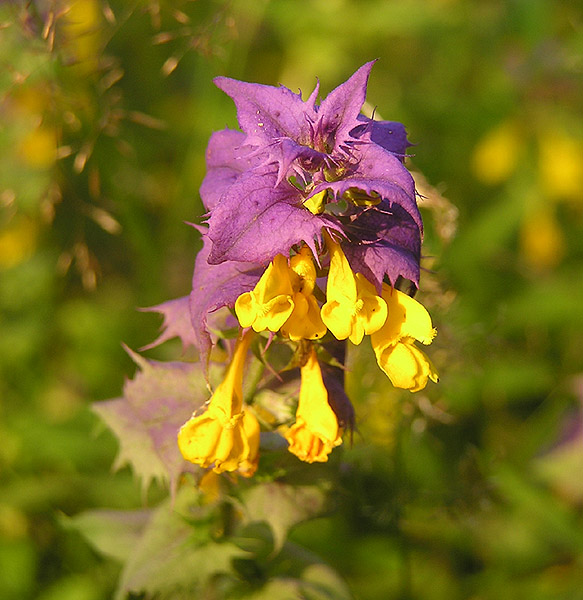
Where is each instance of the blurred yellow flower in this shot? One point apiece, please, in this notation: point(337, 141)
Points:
point(38, 148)
point(394, 344)
point(496, 154)
point(17, 242)
point(225, 436)
point(561, 166)
point(315, 432)
point(542, 242)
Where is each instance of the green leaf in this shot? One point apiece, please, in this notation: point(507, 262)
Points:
point(174, 557)
point(160, 398)
point(282, 506)
point(113, 533)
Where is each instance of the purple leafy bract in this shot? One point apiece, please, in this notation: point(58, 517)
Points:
point(176, 323)
point(383, 240)
point(226, 159)
point(213, 287)
point(256, 220)
point(288, 151)
point(390, 135)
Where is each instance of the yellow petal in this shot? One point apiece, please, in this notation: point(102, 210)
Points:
point(317, 203)
point(406, 318)
point(542, 242)
point(198, 438)
point(496, 155)
point(406, 366)
point(353, 308)
point(316, 431)
point(374, 311)
point(561, 165)
point(341, 296)
point(252, 430)
point(341, 285)
point(305, 321)
point(337, 318)
point(273, 314)
point(270, 304)
point(304, 270)
point(245, 309)
point(307, 446)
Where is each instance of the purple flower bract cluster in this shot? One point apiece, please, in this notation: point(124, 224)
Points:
point(295, 170)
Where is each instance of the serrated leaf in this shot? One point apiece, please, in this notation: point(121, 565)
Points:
point(161, 397)
point(113, 533)
point(282, 506)
point(169, 560)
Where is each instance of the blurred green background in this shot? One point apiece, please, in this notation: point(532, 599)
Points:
point(470, 489)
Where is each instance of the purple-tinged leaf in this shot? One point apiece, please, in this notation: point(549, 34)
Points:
point(176, 323)
point(266, 113)
point(155, 404)
point(383, 240)
point(390, 135)
point(213, 287)
point(226, 159)
point(255, 220)
point(113, 533)
point(337, 115)
point(176, 556)
point(287, 151)
point(378, 171)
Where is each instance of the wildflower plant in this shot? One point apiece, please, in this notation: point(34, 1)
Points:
point(311, 234)
point(312, 226)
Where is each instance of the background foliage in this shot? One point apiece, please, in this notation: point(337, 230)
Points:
point(471, 489)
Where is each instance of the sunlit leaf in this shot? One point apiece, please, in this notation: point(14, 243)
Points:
point(113, 533)
point(282, 506)
point(160, 398)
point(175, 556)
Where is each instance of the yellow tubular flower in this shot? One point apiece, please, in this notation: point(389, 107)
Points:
point(224, 437)
point(270, 304)
point(353, 308)
point(394, 344)
point(305, 321)
point(316, 431)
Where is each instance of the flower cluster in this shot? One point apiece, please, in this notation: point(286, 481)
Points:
point(312, 223)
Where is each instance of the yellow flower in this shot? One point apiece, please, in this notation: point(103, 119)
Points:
point(305, 321)
point(353, 308)
point(316, 431)
point(394, 344)
point(224, 437)
point(283, 299)
point(39, 147)
point(270, 304)
point(542, 242)
point(496, 154)
point(17, 242)
point(561, 165)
